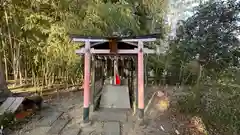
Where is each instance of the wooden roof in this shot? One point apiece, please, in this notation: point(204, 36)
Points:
point(156, 35)
point(120, 45)
point(103, 42)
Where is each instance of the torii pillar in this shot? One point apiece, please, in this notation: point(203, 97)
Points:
point(140, 80)
point(86, 93)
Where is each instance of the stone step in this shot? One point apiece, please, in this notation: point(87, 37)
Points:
point(110, 115)
point(58, 126)
point(39, 131)
point(50, 119)
point(72, 130)
point(111, 128)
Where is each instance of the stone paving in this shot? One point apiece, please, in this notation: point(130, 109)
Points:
point(64, 117)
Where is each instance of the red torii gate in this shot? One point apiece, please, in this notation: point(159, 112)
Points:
point(139, 50)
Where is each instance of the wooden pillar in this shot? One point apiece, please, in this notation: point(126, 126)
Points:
point(140, 80)
point(103, 71)
point(109, 69)
point(145, 71)
point(93, 80)
point(112, 70)
point(123, 62)
point(115, 68)
point(130, 70)
point(136, 88)
point(86, 94)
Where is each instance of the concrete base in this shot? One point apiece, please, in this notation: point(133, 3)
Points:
point(140, 114)
point(85, 124)
point(141, 122)
point(85, 115)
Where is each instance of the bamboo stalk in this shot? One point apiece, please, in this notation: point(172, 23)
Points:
point(5, 64)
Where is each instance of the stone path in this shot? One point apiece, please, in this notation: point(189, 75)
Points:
point(60, 117)
point(112, 128)
point(110, 122)
point(64, 117)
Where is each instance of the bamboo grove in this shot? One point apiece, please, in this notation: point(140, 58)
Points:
point(35, 47)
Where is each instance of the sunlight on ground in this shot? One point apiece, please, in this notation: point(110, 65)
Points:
point(163, 101)
point(197, 125)
point(19, 90)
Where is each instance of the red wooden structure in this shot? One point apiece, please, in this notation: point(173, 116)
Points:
point(114, 47)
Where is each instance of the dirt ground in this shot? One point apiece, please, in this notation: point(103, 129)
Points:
point(68, 108)
point(169, 122)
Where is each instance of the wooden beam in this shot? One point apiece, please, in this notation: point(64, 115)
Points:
point(120, 51)
point(131, 43)
point(89, 40)
point(106, 40)
point(113, 46)
point(100, 51)
point(98, 43)
point(139, 40)
point(80, 51)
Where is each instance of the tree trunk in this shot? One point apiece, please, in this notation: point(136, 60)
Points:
point(53, 79)
point(33, 78)
point(5, 58)
point(4, 91)
point(15, 73)
point(26, 75)
point(20, 75)
point(6, 66)
point(10, 40)
point(16, 59)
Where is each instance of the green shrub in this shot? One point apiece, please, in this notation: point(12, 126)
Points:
point(7, 119)
point(217, 105)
